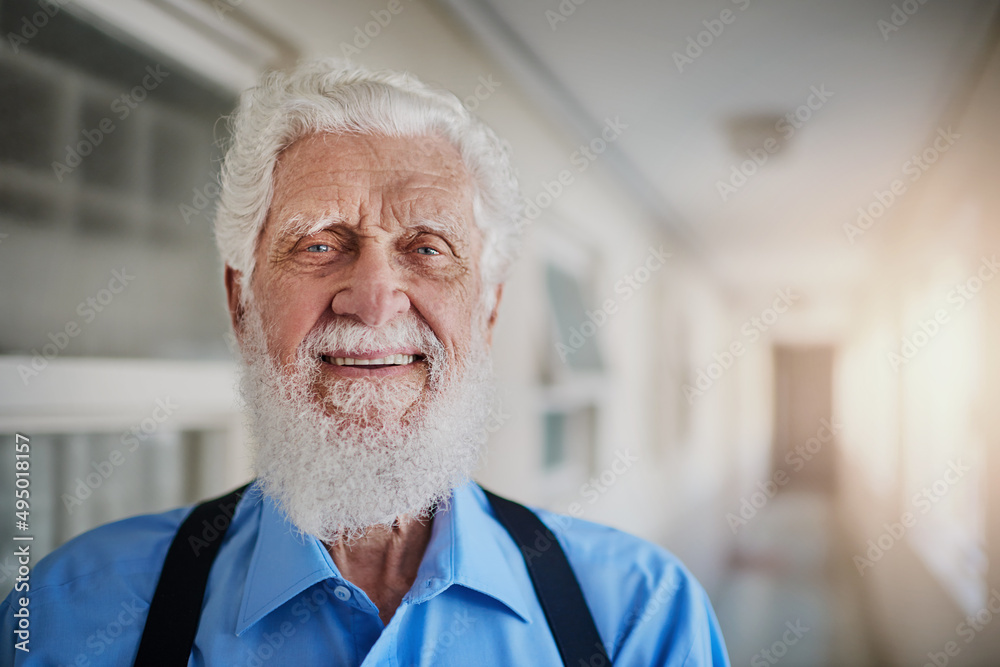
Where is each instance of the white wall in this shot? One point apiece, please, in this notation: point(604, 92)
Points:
point(905, 425)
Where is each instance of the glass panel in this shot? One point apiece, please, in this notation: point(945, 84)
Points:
point(574, 330)
point(570, 438)
point(554, 452)
point(108, 162)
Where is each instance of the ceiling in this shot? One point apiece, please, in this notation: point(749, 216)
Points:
point(884, 94)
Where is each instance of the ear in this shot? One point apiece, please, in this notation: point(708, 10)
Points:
point(234, 297)
point(493, 316)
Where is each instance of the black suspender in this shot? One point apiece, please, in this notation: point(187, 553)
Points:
point(555, 584)
point(175, 610)
point(172, 622)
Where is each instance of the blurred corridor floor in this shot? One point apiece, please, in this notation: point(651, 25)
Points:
point(789, 597)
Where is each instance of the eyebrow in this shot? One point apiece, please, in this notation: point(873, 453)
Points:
point(443, 224)
point(303, 225)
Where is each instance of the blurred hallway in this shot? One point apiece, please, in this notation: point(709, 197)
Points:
point(789, 572)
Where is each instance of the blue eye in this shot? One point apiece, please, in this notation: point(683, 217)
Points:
point(323, 247)
point(429, 251)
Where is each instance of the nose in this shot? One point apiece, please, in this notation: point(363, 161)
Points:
point(373, 293)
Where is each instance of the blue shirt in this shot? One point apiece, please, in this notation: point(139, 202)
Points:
point(275, 598)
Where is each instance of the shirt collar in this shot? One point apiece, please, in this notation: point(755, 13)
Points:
point(284, 563)
point(468, 547)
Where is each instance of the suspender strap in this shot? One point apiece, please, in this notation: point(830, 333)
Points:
point(555, 584)
point(175, 611)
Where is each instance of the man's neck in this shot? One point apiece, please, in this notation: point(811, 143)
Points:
point(384, 562)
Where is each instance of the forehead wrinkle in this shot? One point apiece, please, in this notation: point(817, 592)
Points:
point(375, 159)
point(429, 191)
point(447, 204)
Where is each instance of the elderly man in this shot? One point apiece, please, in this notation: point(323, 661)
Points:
point(366, 223)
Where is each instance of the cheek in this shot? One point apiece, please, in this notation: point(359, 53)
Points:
point(290, 314)
point(452, 314)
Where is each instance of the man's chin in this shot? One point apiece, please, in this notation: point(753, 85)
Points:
point(385, 404)
point(375, 421)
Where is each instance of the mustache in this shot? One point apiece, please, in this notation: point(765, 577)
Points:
point(346, 333)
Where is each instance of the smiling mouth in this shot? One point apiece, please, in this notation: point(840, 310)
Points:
point(381, 362)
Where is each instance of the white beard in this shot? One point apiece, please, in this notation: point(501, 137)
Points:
point(372, 449)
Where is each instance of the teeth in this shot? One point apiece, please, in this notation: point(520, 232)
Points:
point(391, 360)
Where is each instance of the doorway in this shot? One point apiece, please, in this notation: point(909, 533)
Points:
point(805, 432)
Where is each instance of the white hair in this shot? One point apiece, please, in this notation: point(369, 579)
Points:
point(330, 95)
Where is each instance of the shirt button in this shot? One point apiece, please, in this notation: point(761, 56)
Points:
point(342, 593)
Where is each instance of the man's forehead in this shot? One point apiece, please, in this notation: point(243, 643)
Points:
point(324, 180)
point(377, 158)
